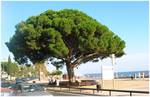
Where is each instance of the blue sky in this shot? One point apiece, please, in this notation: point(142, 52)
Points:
point(127, 19)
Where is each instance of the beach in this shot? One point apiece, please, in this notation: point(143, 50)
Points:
point(124, 84)
point(127, 84)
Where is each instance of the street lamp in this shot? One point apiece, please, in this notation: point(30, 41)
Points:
point(102, 83)
point(113, 67)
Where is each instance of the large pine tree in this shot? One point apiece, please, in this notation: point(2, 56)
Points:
point(68, 35)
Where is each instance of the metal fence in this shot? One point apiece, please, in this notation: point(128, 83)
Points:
point(130, 92)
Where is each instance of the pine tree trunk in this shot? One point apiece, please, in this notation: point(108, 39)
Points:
point(70, 71)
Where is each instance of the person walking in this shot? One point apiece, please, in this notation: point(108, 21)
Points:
point(98, 87)
point(57, 82)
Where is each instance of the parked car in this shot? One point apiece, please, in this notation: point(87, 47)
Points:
point(27, 79)
point(32, 89)
point(19, 80)
point(8, 89)
point(8, 85)
point(7, 92)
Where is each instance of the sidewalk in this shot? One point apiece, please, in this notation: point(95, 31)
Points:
point(91, 92)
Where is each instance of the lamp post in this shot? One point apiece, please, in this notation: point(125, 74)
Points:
point(102, 83)
point(113, 67)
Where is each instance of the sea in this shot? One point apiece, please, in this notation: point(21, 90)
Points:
point(121, 74)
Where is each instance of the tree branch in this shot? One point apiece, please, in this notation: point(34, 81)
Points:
point(82, 57)
point(88, 57)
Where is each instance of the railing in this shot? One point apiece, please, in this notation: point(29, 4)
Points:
point(109, 90)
